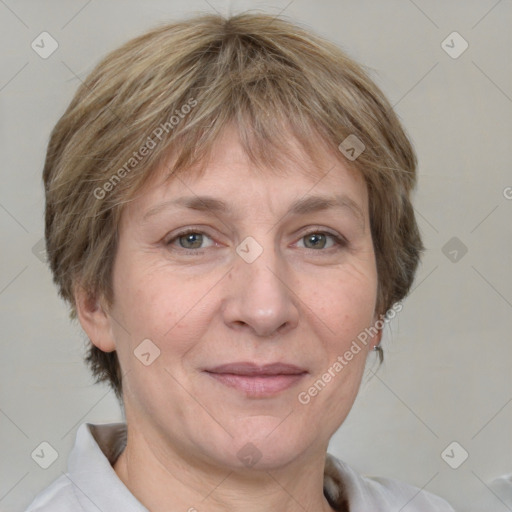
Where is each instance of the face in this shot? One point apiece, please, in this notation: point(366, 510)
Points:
point(247, 287)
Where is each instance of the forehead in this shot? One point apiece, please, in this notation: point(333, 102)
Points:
point(229, 172)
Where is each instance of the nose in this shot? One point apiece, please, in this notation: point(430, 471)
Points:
point(259, 298)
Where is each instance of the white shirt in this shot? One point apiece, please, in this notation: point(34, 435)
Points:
point(92, 485)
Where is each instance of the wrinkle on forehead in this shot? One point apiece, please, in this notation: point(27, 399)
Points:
point(276, 159)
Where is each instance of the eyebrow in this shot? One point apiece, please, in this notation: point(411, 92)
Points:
point(303, 206)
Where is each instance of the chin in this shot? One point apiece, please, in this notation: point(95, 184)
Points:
point(267, 444)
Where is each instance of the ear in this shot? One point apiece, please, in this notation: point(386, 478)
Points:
point(94, 319)
point(378, 337)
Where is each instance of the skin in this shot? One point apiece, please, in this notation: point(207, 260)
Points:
point(302, 301)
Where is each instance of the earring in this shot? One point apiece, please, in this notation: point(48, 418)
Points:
point(378, 348)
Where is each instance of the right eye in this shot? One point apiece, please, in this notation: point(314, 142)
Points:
point(190, 239)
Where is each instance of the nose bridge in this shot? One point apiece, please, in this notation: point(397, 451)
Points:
point(260, 266)
point(259, 296)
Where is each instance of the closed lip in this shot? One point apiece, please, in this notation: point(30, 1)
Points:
point(251, 369)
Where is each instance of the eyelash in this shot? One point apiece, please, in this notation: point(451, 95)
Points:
point(339, 241)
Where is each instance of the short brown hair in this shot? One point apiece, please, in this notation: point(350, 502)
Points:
point(174, 89)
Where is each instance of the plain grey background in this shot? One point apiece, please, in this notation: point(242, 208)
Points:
point(447, 374)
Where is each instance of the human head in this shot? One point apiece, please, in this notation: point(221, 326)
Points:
point(172, 91)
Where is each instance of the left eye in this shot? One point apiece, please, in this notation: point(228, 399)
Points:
point(319, 240)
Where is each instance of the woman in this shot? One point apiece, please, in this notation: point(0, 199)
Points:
point(228, 215)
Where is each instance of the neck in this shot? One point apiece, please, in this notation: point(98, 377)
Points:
point(163, 478)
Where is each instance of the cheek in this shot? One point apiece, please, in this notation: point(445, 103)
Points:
point(340, 315)
point(345, 301)
point(161, 305)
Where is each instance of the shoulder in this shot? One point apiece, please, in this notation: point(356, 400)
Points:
point(59, 496)
point(383, 494)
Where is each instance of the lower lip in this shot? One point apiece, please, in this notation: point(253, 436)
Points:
point(258, 386)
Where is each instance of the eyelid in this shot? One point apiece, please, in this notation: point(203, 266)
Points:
point(185, 231)
point(340, 241)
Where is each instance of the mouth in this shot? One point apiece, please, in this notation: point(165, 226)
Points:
point(257, 381)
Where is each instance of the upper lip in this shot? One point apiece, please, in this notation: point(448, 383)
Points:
point(248, 368)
